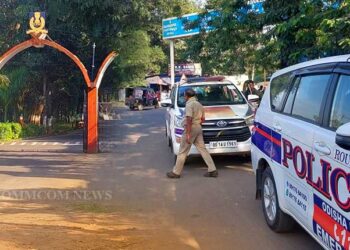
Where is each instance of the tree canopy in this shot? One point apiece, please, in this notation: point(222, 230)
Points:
point(132, 28)
point(243, 41)
point(286, 33)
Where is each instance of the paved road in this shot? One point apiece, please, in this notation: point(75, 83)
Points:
point(72, 142)
point(190, 213)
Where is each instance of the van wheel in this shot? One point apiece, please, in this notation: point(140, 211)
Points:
point(140, 107)
point(169, 142)
point(276, 219)
point(167, 137)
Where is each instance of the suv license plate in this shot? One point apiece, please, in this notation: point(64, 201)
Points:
point(223, 144)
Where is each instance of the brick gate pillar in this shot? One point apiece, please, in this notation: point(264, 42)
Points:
point(92, 121)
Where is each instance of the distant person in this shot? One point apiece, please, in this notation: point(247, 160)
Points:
point(250, 89)
point(193, 135)
point(144, 97)
point(261, 90)
point(158, 95)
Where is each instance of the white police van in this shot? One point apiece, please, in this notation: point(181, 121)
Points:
point(301, 150)
point(228, 116)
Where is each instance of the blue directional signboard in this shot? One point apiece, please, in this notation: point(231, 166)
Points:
point(177, 27)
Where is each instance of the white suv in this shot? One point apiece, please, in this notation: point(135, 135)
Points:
point(229, 117)
point(301, 150)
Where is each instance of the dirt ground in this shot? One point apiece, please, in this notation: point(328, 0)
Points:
point(51, 221)
point(121, 199)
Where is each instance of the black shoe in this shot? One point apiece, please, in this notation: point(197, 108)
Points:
point(172, 175)
point(211, 174)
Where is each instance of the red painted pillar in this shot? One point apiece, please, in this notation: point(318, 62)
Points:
point(92, 121)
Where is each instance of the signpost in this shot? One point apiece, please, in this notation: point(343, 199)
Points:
point(194, 69)
point(177, 27)
point(192, 24)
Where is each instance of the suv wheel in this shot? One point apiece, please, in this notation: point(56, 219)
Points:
point(167, 137)
point(277, 220)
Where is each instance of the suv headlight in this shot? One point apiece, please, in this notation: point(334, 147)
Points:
point(178, 122)
point(249, 120)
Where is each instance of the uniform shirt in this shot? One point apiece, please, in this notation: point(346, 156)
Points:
point(195, 110)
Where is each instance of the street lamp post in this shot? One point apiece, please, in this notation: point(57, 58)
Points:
point(93, 61)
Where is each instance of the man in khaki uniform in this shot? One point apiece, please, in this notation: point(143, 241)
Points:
point(193, 135)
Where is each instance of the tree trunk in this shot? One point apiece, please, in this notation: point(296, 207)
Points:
point(5, 112)
point(45, 98)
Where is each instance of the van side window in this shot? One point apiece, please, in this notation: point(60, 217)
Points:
point(309, 97)
point(278, 91)
point(340, 113)
point(290, 100)
point(172, 95)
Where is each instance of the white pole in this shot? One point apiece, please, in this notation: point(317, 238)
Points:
point(172, 63)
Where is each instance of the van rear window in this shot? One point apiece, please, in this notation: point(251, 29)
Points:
point(212, 95)
point(278, 91)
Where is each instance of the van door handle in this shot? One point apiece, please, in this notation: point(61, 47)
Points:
point(277, 128)
point(322, 148)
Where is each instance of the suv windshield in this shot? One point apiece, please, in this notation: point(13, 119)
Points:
point(212, 94)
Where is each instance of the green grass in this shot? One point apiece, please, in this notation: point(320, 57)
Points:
point(13, 131)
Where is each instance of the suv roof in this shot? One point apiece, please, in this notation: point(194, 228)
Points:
point(332, 59)
point(204, 83)
point(205, 80)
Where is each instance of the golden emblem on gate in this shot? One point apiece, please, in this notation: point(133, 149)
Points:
point(37, 25)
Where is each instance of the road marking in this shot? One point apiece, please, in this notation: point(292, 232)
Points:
point(42, 143)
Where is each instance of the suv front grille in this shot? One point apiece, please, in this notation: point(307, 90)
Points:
point(232, 123)
point(239, 135)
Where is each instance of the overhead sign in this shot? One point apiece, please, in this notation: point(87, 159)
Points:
point(177, 27)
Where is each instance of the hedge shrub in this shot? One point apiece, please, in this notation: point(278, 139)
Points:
point(31, 130)
point(16, 130)
point(10, 130)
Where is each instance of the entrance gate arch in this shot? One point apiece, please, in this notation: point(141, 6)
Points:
point(39, 40)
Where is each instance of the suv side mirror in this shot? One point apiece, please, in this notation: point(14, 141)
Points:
point(253, 98)
point(342, 138)
point(166, 103)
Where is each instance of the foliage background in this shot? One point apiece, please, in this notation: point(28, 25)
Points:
point(45, 82)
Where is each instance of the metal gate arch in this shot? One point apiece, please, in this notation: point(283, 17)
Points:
point(92, 85)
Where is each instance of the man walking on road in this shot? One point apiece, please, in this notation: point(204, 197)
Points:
point(193, 135)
